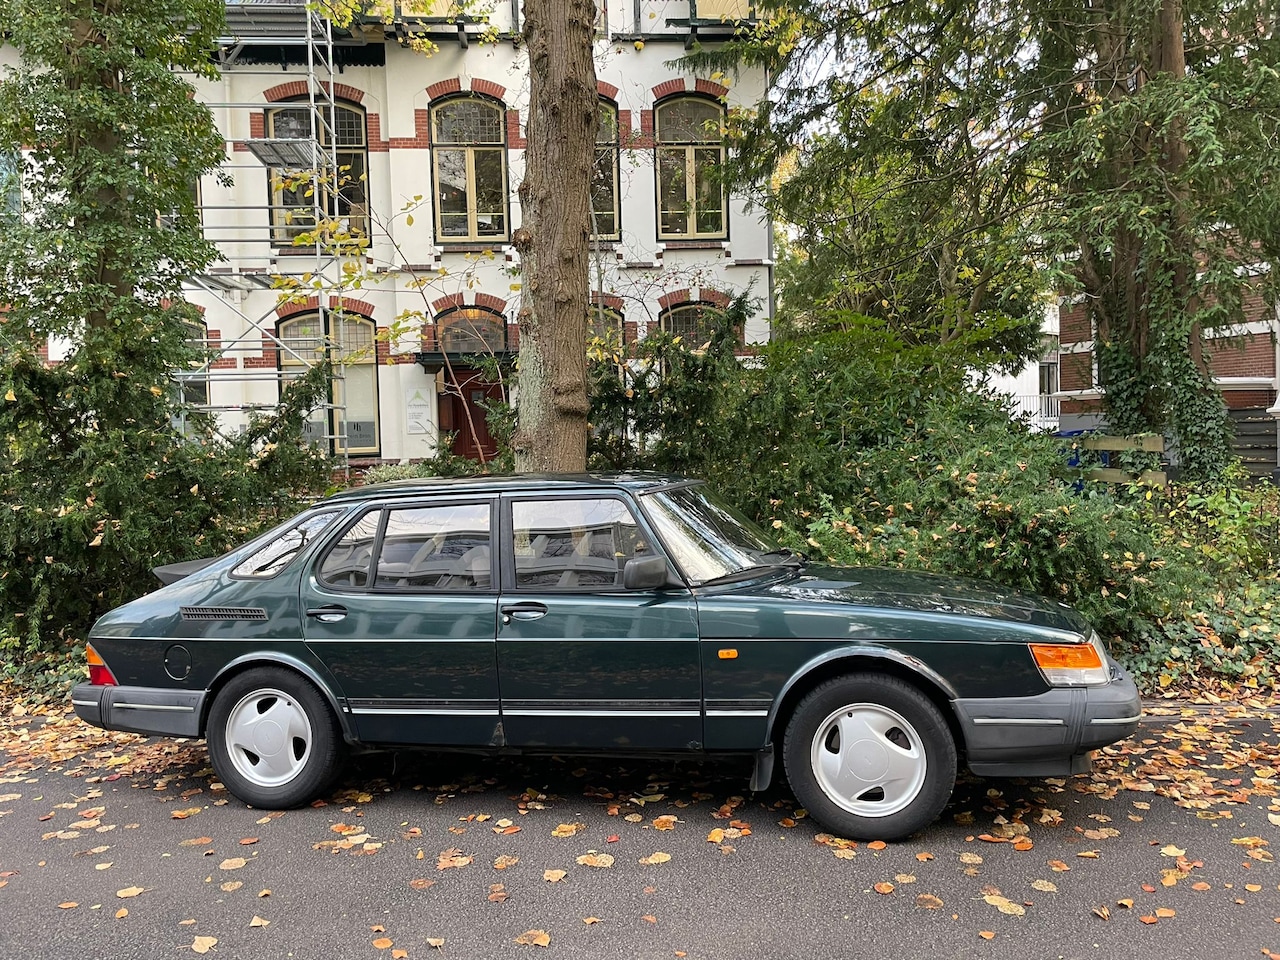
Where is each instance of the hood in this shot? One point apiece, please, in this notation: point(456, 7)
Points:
point(926, 593)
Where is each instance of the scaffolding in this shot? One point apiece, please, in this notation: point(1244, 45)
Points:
point(252, 255)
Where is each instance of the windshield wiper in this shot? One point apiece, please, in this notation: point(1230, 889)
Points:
point(789, 557)
point(746, 573)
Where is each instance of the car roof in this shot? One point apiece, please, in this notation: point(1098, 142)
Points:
point(638, 482)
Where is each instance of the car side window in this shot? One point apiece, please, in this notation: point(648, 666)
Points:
point(574, 543)
point(273, 556)
point(444, 547)
point(348, 560)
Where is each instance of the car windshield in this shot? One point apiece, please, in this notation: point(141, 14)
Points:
point(708, 539)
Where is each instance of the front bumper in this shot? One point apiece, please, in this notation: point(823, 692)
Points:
point(149, 710)
point(1050, 734)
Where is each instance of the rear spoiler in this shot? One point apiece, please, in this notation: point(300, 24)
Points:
point(173, 572)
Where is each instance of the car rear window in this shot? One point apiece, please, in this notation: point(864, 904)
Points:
point(277, 553)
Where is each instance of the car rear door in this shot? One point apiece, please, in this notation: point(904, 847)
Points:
point(584, 663)
point(401, 608)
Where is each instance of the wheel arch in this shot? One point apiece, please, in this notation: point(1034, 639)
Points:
point(846, 660)
point(274, 658)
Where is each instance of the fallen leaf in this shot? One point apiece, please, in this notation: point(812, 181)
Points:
point(967, 857)
point(258, 921)
point(197, 842)
point(453, 857)
point(1200, 885)
point(497, 893)
point(568, 829)
point(129, 892)
point(68, 905)
point(1253, 887)
point(905, 877)
point(534, 938)
point(1005, 905)
point(1088, 854)
point(203, 944)
point(384, 943)
point(436, 942)
point(715, 836)
point(1148, 919)
point(657, 857)
point(231, 886)
point(923, 857)
point(421, 883)
point(399, 954)
point(1164, 913)
point(1126, 903)
point(1058, 866)
point(883, 888)
point(121, 913)
point(986, 935)
point(1023, 844)
point(264, 893)
point(590, 920)
point(248, 841)
point(232, 863)
point(1172, 851)
point(1102, 912)
point(1044, 886)
point(928, 901)
point(667, 822)
point(594, 859)
point(183, 814)
point(554, 876)
point(503, 862)
point(649, 918)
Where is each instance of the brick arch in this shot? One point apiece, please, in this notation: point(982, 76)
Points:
point(486, 301)
point(298, 88)
point(455, 85)
point(606, 90)
point(707, 296)
point(312, 304)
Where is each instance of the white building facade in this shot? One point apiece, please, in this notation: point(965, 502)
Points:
point(422, 155)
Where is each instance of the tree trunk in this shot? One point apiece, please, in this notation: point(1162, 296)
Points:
point(553, 239)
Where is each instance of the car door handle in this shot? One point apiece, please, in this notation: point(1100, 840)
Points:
point(330, 613)
point(523, 611)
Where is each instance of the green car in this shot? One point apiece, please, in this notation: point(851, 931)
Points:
point(631, 614)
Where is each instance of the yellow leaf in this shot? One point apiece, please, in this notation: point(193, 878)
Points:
point(10, 396)
point(232, 863)
point(928, 901)
point(658, 857)
point(383, 943)
point(68, 905)
point(408, 220)
point(554, 876)
point(121, 913)
point(436, 942)
point(258, 921)
point(156, 391)
point(534, 938)
point(1044, 886)
point(883, 888)
point(715, 836)
point(594, 859)
point(568, 829)
point(1164, 913)
point(590, 920)
point(203, 944)
point(986, 935)
point(1172, 851)
point(128, 892)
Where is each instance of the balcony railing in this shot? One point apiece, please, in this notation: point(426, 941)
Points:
point(1043, 409)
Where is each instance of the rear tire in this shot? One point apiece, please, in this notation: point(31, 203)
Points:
point(273, 740)
point(870, 757)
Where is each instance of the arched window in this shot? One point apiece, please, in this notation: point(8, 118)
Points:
point(605, 324)
point(604, 186)
point(690, 157)
point(469, 162)
point(472, 330)
point(693, 323)
point(351, 423)
point(343, 192)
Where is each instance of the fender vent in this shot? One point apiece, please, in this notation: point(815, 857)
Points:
point(223, 613)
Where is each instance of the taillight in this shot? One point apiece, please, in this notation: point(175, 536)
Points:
point(100, 674)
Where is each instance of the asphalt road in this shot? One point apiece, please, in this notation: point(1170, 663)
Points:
point(382, 870)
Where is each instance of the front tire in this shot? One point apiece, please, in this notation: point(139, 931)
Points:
point(273, 740)
point(870, 757)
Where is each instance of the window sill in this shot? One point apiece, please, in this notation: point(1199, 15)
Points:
point(471, 246)
point(709, 244)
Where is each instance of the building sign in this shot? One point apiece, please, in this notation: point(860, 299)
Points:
point(417, 409)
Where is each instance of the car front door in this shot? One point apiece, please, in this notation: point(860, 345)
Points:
point(401, 608)
point(584, 663)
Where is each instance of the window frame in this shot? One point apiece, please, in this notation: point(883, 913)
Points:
point(284, 222)
point(511, 584)
point(470, 151)
point(688, 150)
point(326, 347)
point(703, 307)
point(384, 509)
point(608, 154)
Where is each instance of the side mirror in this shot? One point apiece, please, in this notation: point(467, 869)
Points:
point(644, 573)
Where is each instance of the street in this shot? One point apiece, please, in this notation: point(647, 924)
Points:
point(116, 846)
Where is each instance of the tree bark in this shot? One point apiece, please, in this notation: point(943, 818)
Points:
point(553, 239)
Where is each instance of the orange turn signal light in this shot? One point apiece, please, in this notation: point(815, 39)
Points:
point(1065, 656)
point(729, 654)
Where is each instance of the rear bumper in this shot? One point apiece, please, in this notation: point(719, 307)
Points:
point(1050, 734)
point(150, 710)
